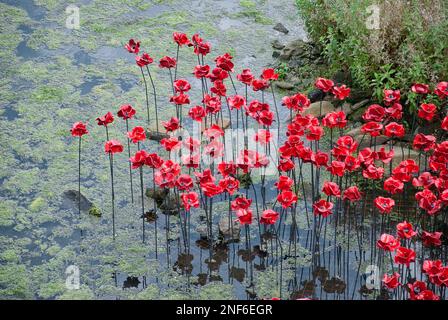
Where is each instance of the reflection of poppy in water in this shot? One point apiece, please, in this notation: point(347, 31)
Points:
point(151, 216)
point(238, 273)
point(307, 291)
point(131, 282)
point(184, 263)
point(334, 285)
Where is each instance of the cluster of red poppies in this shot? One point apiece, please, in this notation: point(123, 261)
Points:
point(301, 146)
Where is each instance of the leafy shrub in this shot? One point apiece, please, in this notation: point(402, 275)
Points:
point(410, 46)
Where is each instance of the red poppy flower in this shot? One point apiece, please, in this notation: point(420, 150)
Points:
point(133, 46)
point(314, 133)
point(204, 177)
point(240, 203)
point(297, 102)
point(324, 84)
point(143, 60)
point(172, 125)
point(126, 112)
point(419, 291)
point(425, 180)
point(181, 39)
point(337, 168)
point(200, 47)
point(225, 62)
point(215, 149)
point(197, 113)
point(351, 163)
point(218, 74)
point(384, 205)
point(320, 159)
point(420, 88)
point(442, 90)
point(170, 144)
point(227, 168)
point(201, 71)
point(105, 120)
point(335, 119)
point(113, 146)
point(348, 143)
point(393, 186)
point(244, 216)
point(260, 84)
point(229, 184)
point(269, 217)
point(263, 136)
point(213, 132)
point(137, 134)
point(395, 111)
point(372, 172)
point(352, 194)
point(166, 175)
point(384, 156)
point(167, 62)
point(431, 239)
point(444, 124)
point(212, 104)
point(388, 242)
point(139, 159)
point(190, 200)
point(287, 198)
point(404, 170)
point(372, 128)
point(375, 113)
point(79, 129)
point(181, 86)
point(331, 189)
point(424, 142)
point(341, 92)
point(219, 88)
point(394, 129)
point(245, 77)
point(322, 208)
point(236, 102)
point(432, 267)
point(285, 164)
point(269, 74)
point(405, 230)
point(284, 183)
point(427, 111)
point(154, 161)
point(391, 96)
point(404, 256)
point(428, 201)
point(391, 282)
point(184, 182)
point(180, 99)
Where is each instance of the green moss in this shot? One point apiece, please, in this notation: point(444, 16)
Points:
point(37, 204)
point(6, 215)
point(51, 289)
point(82, 293)
point(14, 281)
point(248, 4)
point(216, 291)
point(10, 255)
point(95, 211)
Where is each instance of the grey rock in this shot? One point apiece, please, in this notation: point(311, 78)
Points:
point(277, 45)
point(317, 110)
point(294, 48)
point(71, 198)
point(229, 230)
point(281, 28)
point(284, 85)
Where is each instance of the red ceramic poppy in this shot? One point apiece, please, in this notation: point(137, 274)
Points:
point(79, 129)
point(384, 205)
point(133, 46)
point(190, 200)
point(105, 120)
point(137, 134)
point(167, 62)
point(143, 60)
point(126, 112)
point(323, 208)
point(113, 146)
point(269, 217)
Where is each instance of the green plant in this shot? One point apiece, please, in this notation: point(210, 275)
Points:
point(282, 70)
point(410, 45)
